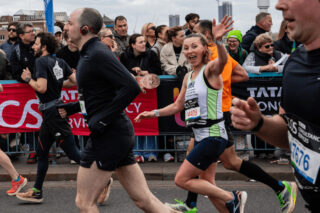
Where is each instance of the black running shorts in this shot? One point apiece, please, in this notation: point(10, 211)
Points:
point(111, 149)
point(206, 152)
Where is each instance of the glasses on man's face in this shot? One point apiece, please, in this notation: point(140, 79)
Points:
point(108, 36)
point(268, 46)
point(12, 29)
point(30, 31)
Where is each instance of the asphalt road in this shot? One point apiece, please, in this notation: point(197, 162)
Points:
point(59, 197)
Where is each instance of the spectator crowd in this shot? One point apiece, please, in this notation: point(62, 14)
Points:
point(157, 50)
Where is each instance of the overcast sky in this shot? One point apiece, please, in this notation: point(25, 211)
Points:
point(139, 12)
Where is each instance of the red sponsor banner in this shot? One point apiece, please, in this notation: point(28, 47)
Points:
point(19, 111)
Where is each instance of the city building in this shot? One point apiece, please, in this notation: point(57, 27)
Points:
point(224, 8)
point(36, 17)
point(263, 5)
point(174, 20)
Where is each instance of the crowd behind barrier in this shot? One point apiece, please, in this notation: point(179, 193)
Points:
point(170, 135)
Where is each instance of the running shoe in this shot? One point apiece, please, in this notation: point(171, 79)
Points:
point(103, 197)
point(17, 186)
point(287, 197)
point(238, 203)
point(31, 195)
point(182, 207)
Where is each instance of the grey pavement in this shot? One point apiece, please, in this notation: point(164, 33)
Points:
point(160, 170)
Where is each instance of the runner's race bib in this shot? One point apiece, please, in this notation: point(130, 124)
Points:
point(82, 104)
point(304, 139)
point(191, 106)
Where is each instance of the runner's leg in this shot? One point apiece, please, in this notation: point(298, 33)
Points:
point(6, 163)
point(90, 183)
point(69, 147)
point(231, 161)
point(185, 179)
point(132, 179)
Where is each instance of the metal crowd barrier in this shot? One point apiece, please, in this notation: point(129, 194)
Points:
point(18, 143)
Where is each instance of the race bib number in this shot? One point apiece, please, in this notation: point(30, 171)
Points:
point(83, 108)
point(304, 160)
point(193, 113)
point(304, 139)
point(82, 103)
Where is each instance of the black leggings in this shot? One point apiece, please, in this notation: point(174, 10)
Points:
point(69, 147)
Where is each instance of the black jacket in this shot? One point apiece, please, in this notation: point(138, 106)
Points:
point(250, 36)
point(148, 61)
point(284, 45)
point(104, 83)
point(21, 58)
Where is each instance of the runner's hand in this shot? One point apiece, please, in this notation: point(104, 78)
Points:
point(143, 115)
point(221, 29)
point(25, 74)
point(245, 115)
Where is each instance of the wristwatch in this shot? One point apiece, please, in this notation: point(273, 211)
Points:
point(156, 113)
point(218, 42)
point(27, 80)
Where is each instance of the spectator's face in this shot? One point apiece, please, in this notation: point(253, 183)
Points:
point(163, 34)
point(192, 22)
point(151, 31)
point(108, 39)
point(178, 39)
point(72, 46)
point(233, 44)
point(121, 27)
point(267, 23)
point(140, 45)
point(266, 48)
point(12, 32)
point(196, 28)
point(28, 36)
point(303, 19)
point(194, 51)
point(37, 48)
point(58, 37)
point(72, 27)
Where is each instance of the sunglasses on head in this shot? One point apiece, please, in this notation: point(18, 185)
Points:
point(268, 46)
point(11, 29)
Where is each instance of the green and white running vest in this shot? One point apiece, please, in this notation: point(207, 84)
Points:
point(203, 102)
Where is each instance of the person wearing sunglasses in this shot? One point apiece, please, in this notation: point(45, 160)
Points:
point(7, 46)
point(263, 57)
point(106, 36)
point(148, 31)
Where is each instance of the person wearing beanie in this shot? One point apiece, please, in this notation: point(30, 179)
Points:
point(234, 38)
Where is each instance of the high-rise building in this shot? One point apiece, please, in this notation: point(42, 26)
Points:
point(224, 8)
point(174, 20)
point(263, 5)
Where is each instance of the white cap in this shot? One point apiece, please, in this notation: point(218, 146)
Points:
point(57, 29)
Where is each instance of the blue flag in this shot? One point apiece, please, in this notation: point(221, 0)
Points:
point(48, 10)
